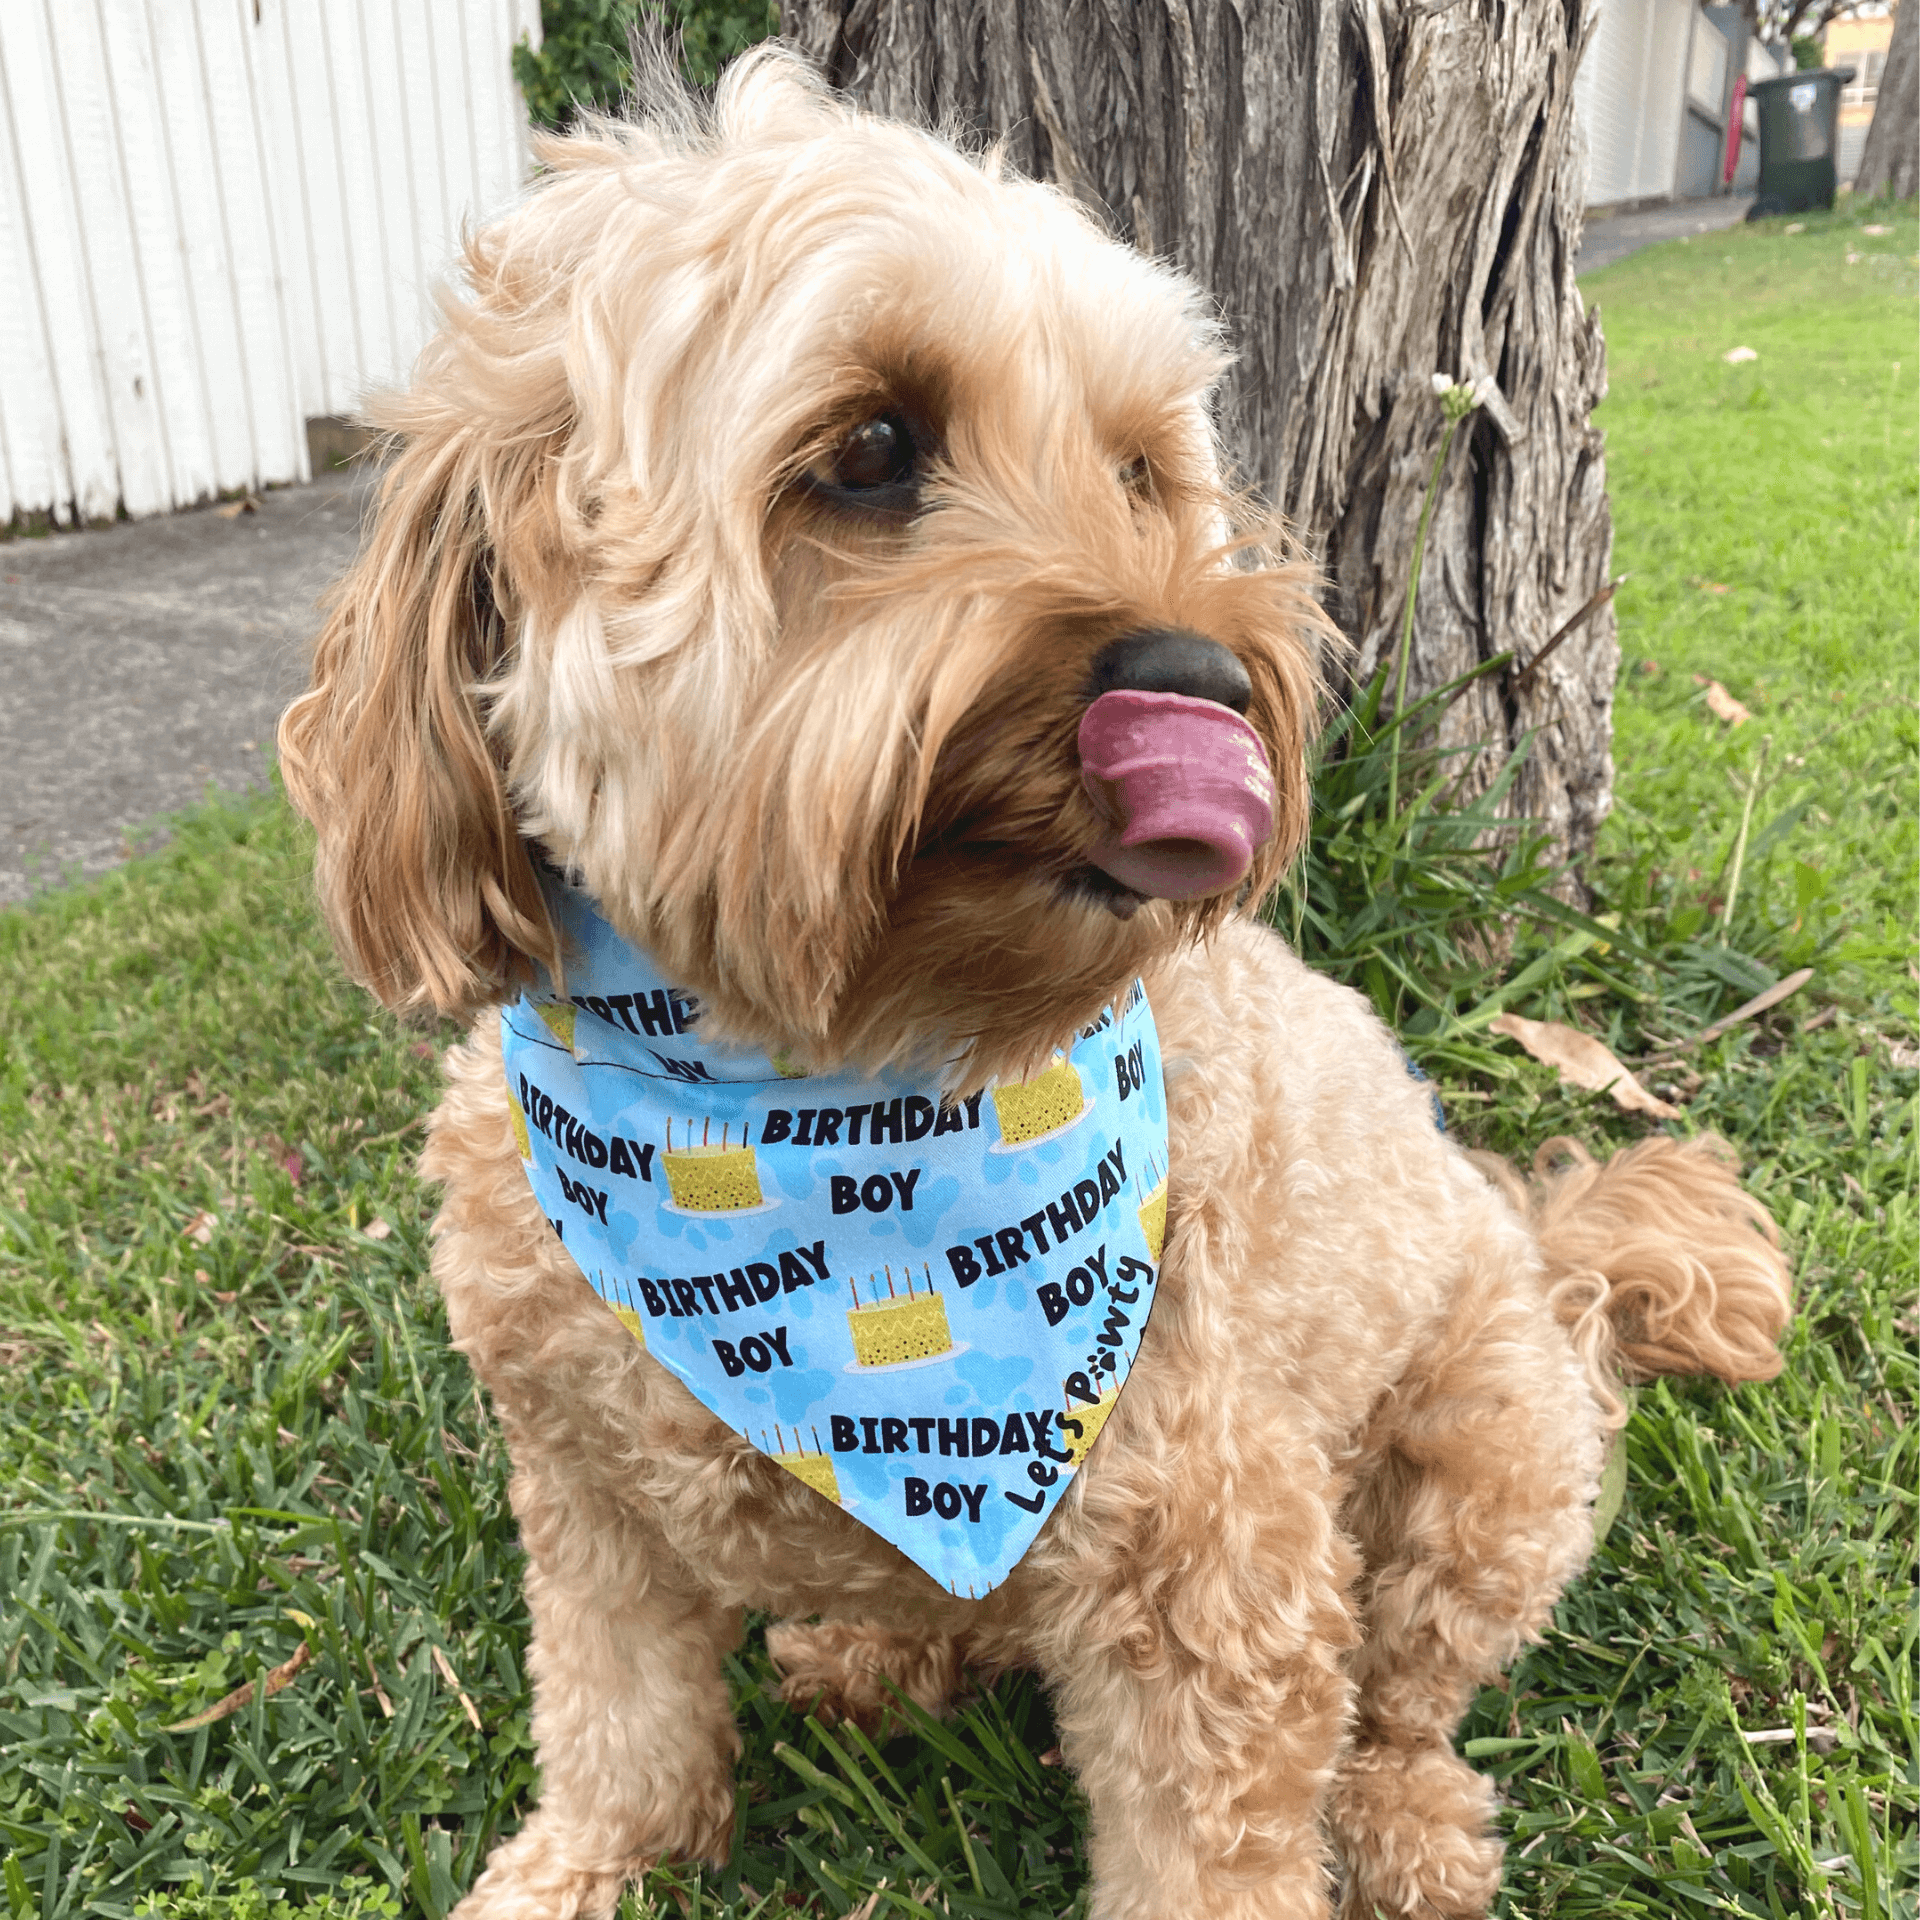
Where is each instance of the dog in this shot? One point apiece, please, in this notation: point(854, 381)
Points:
point(778, 504)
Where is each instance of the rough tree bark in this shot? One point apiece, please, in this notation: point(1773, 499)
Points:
point(1374, 190)
point(1890, 161)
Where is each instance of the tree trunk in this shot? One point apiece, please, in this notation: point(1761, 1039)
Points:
point(1374, 191)
point(1890, 161)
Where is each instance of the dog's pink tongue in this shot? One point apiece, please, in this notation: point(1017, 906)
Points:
point(1186, 786)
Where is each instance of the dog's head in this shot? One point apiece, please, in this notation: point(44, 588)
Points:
point(815, 540)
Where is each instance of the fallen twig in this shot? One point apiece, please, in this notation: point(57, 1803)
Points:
point(269, 1683)
point(452, 1679)
point(1780, 990)
point(1819, 1739)
point(379, 1692)
point(1740, 839)
point(1587, 612)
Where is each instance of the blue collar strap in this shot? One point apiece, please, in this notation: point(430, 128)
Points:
point(923, 1309)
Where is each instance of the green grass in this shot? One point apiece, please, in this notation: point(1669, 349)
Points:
point(234, 1430)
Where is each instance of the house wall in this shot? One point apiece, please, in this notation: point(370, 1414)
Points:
point(1703, 123)
point(1629, 97)
point(1861, 45)
point(219, 218)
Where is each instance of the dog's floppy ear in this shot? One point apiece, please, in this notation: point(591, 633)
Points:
point(423, 875)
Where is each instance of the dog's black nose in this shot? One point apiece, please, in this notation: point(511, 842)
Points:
point(1171, 660)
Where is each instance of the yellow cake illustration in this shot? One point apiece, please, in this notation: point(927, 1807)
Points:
point(631, 1321)
point(1153, 1220)
point(887, 1332)
point(713, 1177)
point(558, 1014)
point(812, 1467)
point(1092, 1419)
point(1044, 1104)
point(521, 1138)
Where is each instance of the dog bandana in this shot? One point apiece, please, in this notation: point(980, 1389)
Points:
point(924, 1309)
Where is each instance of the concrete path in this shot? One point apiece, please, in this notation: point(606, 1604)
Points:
point(1612, 237)
point(140, 663)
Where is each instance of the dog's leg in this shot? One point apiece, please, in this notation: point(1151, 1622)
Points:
point(630, 1715)
point(849, 1669)
point(1472, 1511)
point(1200, 1693)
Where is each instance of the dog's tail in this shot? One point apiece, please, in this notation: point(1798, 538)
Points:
point(1658, 1260)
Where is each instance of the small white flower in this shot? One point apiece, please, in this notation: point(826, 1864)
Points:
point(1442, 385)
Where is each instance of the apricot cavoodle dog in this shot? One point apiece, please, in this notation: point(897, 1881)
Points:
point(805, 651)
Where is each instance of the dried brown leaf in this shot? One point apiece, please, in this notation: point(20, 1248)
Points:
point(1582, 1061)
point(379, 1692)
point(1722, 702)
point(377, 1229)
point(200, 1228)
point(452, 1679)
point(269, 1683)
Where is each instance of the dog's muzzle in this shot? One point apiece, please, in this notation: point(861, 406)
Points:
point(1177, 773)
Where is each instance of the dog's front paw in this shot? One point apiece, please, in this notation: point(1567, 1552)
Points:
point(531, 1877)
point(571, 1870)
point(1412, 1829)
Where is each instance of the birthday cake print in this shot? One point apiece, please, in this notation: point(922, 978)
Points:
point(1089, 1418)
point(714, 1176)
point(923, 1304)
point(1153, 1213)
point(1029, 1111)
point(811, 1466)
point(902, 1330)
point(517, 1119)
point(559, 1018)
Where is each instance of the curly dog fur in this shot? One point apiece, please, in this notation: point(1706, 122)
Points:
point(821, 763)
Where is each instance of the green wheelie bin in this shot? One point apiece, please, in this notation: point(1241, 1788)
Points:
point(1799, 135)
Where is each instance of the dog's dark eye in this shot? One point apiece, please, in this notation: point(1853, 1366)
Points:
point(877, 453)
point(875, 468)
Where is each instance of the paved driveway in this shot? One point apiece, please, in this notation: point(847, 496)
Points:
point(1612, 238)
point(140, 663)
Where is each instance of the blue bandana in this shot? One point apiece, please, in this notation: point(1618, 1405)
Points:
point(923, 1309)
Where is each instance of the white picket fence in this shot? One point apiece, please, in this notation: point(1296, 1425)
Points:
point(219, 218)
